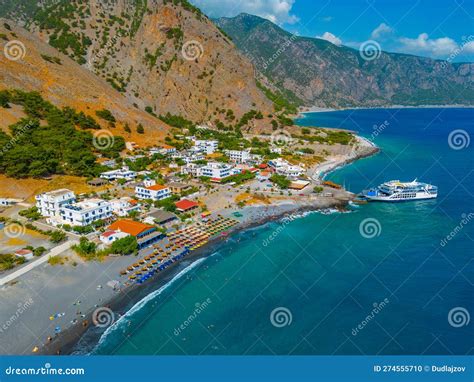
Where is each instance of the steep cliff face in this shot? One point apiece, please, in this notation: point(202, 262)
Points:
point(29, 64)
point(319, 73)
point(164, 56)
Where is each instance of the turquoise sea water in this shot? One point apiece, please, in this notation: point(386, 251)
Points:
point(332, 290)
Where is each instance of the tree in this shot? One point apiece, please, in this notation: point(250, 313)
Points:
point(140, 129)
point(124, 246)
point(39, 251)
point(280, 180)
point(127, 128)
point(105, 114)
point(30, 213)
point(57, 236)
point(318, 189)
point(85, 247)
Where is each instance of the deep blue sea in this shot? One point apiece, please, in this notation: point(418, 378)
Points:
point(383, 279)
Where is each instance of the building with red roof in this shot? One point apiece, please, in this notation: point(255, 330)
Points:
point(146, 234)
point(186, 205)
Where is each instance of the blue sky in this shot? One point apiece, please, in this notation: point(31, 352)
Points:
point(438, 28)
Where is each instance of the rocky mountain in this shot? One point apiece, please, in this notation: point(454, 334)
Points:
point(30, 64)
point(164, 56)
point(315, 72)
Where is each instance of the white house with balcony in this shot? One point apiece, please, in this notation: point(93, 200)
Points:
point(282, 167)
point(123, 206)
point(192, 169)
point(150, 190)
point(49, 203)
point(85, 212)
point(122, 173)
point(242, 156)
point(194, 157)
point(218, 171)
point(206, 146)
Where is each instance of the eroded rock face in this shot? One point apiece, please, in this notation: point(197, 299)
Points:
point(162, 56)
point(62, 81)
point(322, 74)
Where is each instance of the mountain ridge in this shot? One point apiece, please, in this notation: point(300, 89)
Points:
point(164, 56)
point(322, 74)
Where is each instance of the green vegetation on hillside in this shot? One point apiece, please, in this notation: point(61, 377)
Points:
point(280, 102)
point(56, 18)
point(47, 141)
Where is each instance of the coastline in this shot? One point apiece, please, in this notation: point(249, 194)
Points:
point(75, 338)
point(259, 216)
point(82, 340)
point(316, 109)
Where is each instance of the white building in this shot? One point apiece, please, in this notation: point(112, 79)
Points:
point(193, 157)
point(163, 150)
point(216, 170)
point(206, 146)
point(108, 237)
point(192, 169)
point(238, 156)
point(85, 212)
point(242, 156)
point(123, 206)
point(151, 190)
point(134, 158)
point(123, 173)
point(49, 203)
point(282, 167)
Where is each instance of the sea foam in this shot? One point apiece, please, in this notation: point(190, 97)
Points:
point(145, 300)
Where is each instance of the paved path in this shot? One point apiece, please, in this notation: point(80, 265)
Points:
point(37, 262)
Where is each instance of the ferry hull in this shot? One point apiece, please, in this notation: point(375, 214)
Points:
point(397, 200)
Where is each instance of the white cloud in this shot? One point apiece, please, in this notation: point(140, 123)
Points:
point(468, 47)
point(424, 45)
point(277, 11)
point(328, 36)
point(381, 31)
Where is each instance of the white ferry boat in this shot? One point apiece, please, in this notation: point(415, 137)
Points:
point(396, 191)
